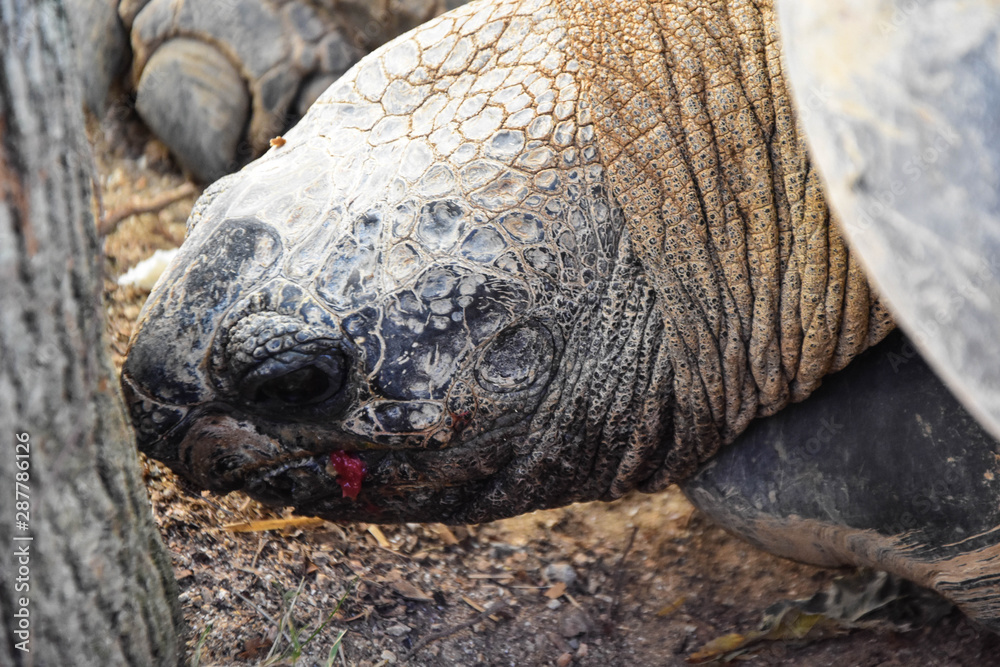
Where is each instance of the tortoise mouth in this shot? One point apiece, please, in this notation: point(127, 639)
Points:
point(312, 478)
point(218, 447)
point(336, 476)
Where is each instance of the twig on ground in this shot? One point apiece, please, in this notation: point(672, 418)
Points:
point(136, 206)
point(620, 577)
point(260, 548)
point(478, 607)
point(491, 608)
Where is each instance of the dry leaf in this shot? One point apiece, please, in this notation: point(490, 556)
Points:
point(720, 646)
point(445, 534)
point(379, 536)
point(274, 524)
point(254, 648)
point(410, 592)
point(556, 591)
point(671, 608)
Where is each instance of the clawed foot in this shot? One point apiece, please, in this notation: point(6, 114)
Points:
point(215, 80)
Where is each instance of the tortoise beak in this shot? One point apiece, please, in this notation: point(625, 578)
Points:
point(165, 371)
point(900, 104)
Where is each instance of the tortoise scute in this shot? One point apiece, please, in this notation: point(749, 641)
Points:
point(483, 245)
point(348, 278)
point(440, 224)
point(429, 332)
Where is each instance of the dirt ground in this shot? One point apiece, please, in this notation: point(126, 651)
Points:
point(562, 587)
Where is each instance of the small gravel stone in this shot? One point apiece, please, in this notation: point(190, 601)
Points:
point(563, 572)
point(398, 630)
point(574, 622)
point(564, 660)
point(554, 604)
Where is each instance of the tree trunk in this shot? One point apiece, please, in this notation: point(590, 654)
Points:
point(84, 578)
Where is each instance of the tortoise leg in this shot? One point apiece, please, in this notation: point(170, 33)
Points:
point(101, 46)
point(217, 80)
point(881, 467)
point(195, 100)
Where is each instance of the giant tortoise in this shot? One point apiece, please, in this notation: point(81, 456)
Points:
point(216, 79)
point(539, 251)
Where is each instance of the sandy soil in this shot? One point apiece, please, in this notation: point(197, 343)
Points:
point(560, 587)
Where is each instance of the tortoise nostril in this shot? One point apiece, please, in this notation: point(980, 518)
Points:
point(303, 386)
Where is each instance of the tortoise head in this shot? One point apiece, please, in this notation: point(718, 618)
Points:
point(428, 282)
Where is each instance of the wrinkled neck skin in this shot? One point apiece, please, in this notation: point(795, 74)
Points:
point(529, 254)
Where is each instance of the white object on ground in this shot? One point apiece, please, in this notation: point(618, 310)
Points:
point(148, 271)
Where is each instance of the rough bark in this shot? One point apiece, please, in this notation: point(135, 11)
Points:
point(99, 585)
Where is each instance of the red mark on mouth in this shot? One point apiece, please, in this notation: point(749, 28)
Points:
point(349, 471)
